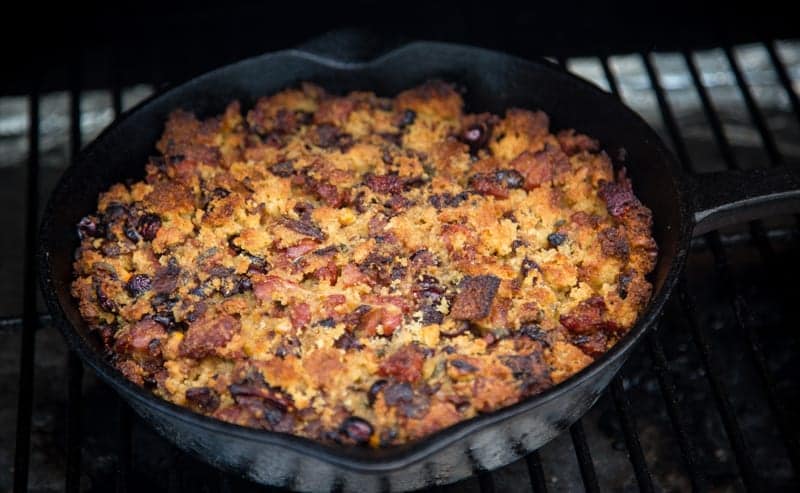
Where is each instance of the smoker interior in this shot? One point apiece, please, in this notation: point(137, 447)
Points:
point(709, 401)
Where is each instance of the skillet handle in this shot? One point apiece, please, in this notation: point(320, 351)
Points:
point(730, 197)
point(350, 45)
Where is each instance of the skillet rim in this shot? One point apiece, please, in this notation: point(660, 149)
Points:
point(357, 459)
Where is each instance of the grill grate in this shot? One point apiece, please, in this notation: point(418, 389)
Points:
point(657, 360)
point(29, 317)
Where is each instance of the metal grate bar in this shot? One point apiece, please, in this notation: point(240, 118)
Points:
point(755, 113)
point(536, 472)
point(783, 76)
point(662, 370)
point(584, 456)
point(670, 122)
point(709, 111)
point(610, 77)
point(17, 323)
point(30, 318)
point(74, 366)
point(635, 452)
point(730, 422)
point(744, 322)
point(668, 390)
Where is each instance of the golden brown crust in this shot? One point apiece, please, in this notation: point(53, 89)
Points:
point(363, 270)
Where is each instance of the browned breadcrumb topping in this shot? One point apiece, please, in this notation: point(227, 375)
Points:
point(363, 270)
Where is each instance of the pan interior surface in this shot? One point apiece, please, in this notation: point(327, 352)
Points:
point(493, 82)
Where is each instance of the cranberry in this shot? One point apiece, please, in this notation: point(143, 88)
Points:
point(473, 133)
point(244, 284)
point(374, 390)
point(331, 136)
point(110, 249)
point(327, 135)
point(424, 257)
point(556, 239)
point(148, 226)
point(138, 284)
point(475, 136)
point(304, 117)
point(203, 398)
point(89, 226)
point(396, 139)
point(463, 365)
point(408, 118)
point(115, 211)
point(623, 281)
point(397, 393)
point(428, 286)
point(304, 210)
point(527, 266)
point(106, 303)
point(346, 341)
point(167, 319)
point(440, 201)
point(284, 169)
point(357, 430)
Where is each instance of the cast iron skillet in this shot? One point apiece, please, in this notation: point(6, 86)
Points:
point(681, 206)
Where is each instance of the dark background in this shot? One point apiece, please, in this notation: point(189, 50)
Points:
point(152, 41)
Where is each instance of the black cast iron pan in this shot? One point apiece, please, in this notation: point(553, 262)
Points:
point(681, 206)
